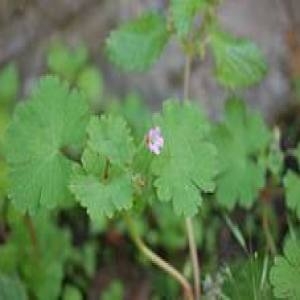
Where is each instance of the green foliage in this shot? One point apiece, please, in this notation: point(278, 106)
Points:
point(137, 45)
point(187, 163)
point(39, 250)
point(115, 291)
point(284, 275)
point(135, 112)
point(171, 231)
point(247, 280)
point(183, 12)
point(239, 63)
point(71, 293)
point(11, 288)
point(240, 139)
point(65, 62)
point(292, 187)
point(55, 154)
point(274, 161)
point(52, 119)
point(9, 84)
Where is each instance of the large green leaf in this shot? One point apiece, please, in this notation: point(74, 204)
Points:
point(285, 274)
point(52, 119)
point(136, 45)
point(186, 165)
point(183, 12)
point(240, 139)
point(239, 62)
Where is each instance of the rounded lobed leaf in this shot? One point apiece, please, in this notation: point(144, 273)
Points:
point(239, 62)
point(100, 187)
point(52, 119)
point(136, 45)
point(240, 139)
point(186, 165)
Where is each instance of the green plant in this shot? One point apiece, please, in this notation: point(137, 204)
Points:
point(64, 147)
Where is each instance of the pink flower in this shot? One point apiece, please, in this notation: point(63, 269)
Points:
point(155, 140)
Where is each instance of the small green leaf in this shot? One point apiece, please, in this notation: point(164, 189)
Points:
point(186, 165)
point(66, 62)
point(110, 137)
point(240, 139)
point(292, 186)
point(285, 273)
point(53, 118)
point(11, 288)
point(183, 12)
point(102, 197)
point(90, 81)
point(9, 84)
point(239, 62)
point(137, 45)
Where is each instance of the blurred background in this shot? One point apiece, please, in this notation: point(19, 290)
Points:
point(28, 27)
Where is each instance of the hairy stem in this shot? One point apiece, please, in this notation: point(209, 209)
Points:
point(194, 257)
point(157, 260)
point(188, 221)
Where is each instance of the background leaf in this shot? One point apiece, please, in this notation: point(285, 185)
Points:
point(240, 139)
point(239, 62)
point(9, 84)
point(137, 45)
point(183, 12)
point(66, 62)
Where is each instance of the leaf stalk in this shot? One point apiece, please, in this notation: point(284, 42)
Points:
point(157, 260)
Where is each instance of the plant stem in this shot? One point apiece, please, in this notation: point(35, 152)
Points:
point(188, 221)
point(266, 228)
point(157, 260)
point(32, 233)
point(194, 257)
point(187, 75)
